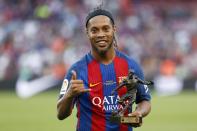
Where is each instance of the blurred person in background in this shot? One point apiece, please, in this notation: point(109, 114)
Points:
point(8, 57)
point(89, 82)
point(167, 83)
point(158, 29)
point(34, 76)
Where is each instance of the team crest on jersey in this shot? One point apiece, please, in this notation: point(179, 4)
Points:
point(121, 78)
point(64, 86)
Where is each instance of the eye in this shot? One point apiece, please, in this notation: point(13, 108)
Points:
point(106, 28)
point(93, 30)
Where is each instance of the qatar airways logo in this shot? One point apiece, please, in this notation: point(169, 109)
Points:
point(107, 103)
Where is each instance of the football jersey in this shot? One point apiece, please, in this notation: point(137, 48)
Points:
point(94, 108)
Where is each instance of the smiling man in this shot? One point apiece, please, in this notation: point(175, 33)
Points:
point(90, 81)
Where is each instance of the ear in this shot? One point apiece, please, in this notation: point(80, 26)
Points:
point(114, 28)
point(86, 30)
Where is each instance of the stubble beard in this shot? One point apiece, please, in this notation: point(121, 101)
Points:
point(102, 53)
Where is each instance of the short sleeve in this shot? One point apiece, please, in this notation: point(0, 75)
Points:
point(143, 92)
point(66, 81)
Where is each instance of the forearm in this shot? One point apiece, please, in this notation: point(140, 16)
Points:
point(144, 108)
point(64, 107)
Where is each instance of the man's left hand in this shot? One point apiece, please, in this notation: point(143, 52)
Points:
point(138, 115)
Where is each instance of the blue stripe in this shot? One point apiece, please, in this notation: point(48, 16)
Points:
point(109, 83)
point(130, 128)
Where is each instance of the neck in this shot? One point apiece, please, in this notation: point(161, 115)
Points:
point(105, 58)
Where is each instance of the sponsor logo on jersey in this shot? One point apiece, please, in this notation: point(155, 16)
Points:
point(94, 84)
point(107, 83)
point(107, 103)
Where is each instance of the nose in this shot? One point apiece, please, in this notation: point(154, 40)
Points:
point(100, 34)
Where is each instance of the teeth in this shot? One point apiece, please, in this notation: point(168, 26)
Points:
point(101, 41)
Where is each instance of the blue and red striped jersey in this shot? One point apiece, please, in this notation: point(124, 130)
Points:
point(95, 107)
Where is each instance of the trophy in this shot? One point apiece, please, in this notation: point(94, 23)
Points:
point(127, 100)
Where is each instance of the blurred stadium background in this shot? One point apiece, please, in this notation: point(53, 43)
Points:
point(43, 37)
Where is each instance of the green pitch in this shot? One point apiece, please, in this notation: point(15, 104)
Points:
point(174, 113)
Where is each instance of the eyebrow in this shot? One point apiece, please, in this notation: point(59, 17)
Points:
point(101, 26)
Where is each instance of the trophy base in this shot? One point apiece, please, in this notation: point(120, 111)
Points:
point(130, 120)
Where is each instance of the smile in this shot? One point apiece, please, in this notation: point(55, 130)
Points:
point(101, 41)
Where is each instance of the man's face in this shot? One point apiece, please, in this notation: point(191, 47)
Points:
point(100, 32)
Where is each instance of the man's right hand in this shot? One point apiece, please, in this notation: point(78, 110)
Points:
point(76, 86)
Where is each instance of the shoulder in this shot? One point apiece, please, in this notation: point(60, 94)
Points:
point(80, 63)
point(132, 64)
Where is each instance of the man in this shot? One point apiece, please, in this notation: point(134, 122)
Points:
point(89, 82)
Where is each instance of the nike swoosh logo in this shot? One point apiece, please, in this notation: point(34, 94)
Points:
point(94, 84)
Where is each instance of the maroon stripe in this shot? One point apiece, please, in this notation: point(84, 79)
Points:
point(78, 115)
point(121, 69)
point(96, 96)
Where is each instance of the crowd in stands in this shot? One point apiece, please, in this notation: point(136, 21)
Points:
point(39, 37)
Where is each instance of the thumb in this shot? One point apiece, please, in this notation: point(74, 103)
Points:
point(135, 113)
point(74, 75)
